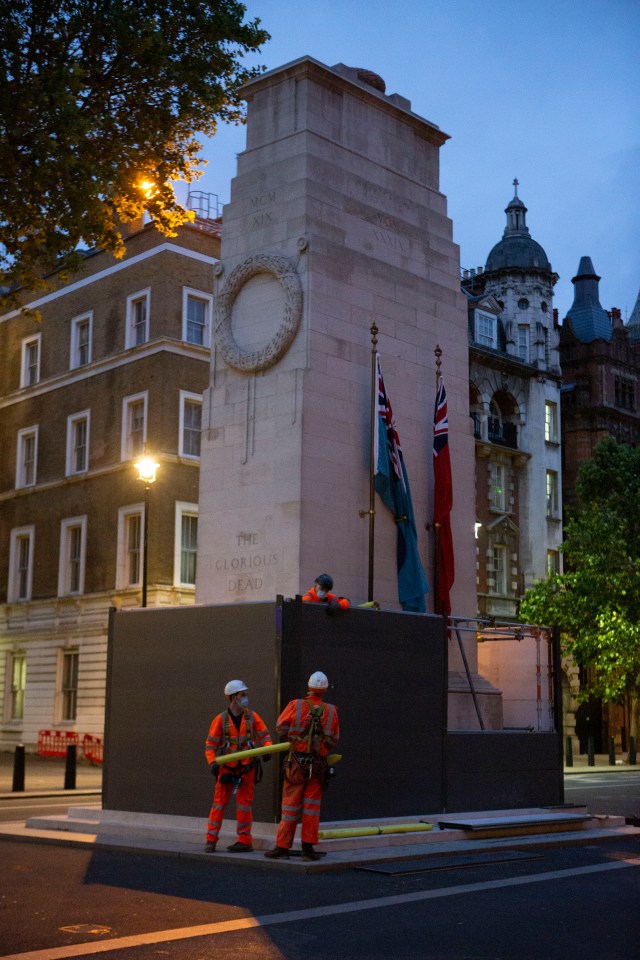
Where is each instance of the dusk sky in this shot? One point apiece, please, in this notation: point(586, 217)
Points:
point(548, 92)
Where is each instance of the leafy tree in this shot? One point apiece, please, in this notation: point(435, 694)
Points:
point(596, 602)
point(99, 104)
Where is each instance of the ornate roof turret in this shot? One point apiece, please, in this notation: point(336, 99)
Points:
point(586, 317)
point(633, 326)
point(517, 249)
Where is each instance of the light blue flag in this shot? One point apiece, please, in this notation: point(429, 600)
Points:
point(392, 485)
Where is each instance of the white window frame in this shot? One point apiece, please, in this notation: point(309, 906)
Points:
point(123, 553)
point(550, 421)
point(128, 450)
point(553, 562)
point(64, 694)
point(24, 435)
point(183, 509)
point(499, 559)
point(131, 335)
point(15, 694)
point(26, 379)
point(17, 572)
point(207, 298)
point(552, 494)
point(186, 397)
point(65, 585)
point(523, 342)
point(73, 420)
point(483, 337)
point(77, 324)
point(498, 481)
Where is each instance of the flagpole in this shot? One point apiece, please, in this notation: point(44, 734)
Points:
point(436, 526)
point(371, 513)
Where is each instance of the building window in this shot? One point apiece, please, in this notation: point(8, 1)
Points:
point(138, 318)
point(130, 547)
point(499, 569)
point(523, 343)
point(72, 556)
point(523, 303)
point(81, 337)
point(27, 457)
point(553, 562)
point(550, 421)
point(20, 564)
point(625, 393)
point(497, 490)
point(30, 364)
point(15, 685)
point(486, 329)
point(190, 424)
point(186, 546)
point(78, 443)
point(134, 425)
point(196, 317)
point(552, 493)
point(68, 686)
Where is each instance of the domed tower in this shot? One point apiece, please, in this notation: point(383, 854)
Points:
point(518, 274)
point(515, 406)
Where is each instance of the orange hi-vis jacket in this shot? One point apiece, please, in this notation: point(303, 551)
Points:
point(312, 597)
point(225, 738)
point(296, 718)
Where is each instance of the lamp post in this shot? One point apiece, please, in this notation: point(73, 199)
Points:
point(146, 468)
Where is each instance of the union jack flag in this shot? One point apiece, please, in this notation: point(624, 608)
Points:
point(385, 412)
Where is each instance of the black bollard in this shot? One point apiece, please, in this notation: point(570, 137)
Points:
point(612, 752)
point(632, 751)
point(70, 768)
point(18, 769)
point(569, 753)
point(591, 752)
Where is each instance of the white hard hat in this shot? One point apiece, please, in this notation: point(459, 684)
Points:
point(318, 681)
point(234, 686)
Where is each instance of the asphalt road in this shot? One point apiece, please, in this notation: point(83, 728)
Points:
point(605, 792)
point(576, 903)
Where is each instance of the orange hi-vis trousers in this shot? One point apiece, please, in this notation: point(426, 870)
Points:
point(300, 800)
point(244, 801)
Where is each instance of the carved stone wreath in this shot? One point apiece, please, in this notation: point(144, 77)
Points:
point(286, 275)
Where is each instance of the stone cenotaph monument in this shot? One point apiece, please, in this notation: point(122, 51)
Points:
point(336, 223)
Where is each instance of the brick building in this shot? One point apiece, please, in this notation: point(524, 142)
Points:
point(116, 367)
point(600, 358)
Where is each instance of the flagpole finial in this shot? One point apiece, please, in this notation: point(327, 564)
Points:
point(438, 353)
point(374, 334)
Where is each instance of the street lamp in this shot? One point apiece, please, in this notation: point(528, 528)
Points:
point(146, 468)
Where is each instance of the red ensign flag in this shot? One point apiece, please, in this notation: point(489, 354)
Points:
point(442, 503)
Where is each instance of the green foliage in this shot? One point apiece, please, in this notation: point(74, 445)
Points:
point(596, 603)
point(97, 99)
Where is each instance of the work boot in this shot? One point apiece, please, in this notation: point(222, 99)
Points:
point(278, 853)
point(308, 853)
point(210, 847)
point(238, 847)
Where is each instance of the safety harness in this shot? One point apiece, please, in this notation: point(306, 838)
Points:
point(231, 745)
point(304, 765)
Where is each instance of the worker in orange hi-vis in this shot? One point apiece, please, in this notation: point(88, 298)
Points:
point(321, 593)
point(312, 728)
point(236, 728)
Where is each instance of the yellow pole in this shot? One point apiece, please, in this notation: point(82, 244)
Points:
point(261, 751)
point(254, 752)
point(374, 831)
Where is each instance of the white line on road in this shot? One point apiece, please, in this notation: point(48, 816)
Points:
point(293, 916)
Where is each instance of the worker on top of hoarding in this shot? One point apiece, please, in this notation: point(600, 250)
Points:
point(313, 730)
point(321, 593)
point(236, 728)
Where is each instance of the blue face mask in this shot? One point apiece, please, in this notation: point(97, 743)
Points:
point(321, 594)
point(244, 702)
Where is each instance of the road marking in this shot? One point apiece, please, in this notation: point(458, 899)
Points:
point(293, 916)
